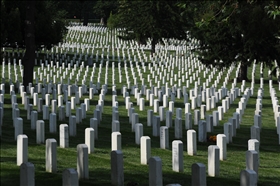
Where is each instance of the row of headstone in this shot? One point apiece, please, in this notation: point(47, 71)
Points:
point(213, 153)
point(45, 108)
point(157, 132)
point(156, 128)
point(276, 108)
point(2, 91)
point(105, 78)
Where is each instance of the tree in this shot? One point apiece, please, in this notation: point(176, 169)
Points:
point(35, 24)
point(233, 31)
point(3, 19)
point(150, 20)
point(104, 8)
point(29, 56)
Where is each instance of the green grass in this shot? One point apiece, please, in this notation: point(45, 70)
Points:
point(99, 161)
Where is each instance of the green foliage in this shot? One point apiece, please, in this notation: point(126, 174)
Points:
point(104, 8)
point(53, 29)
point(3, 19)
point(14, 26)
point(273, 9)
point(111, 21)
point(234, 31)
point(150, 19)
point(10, 24)
point(50, 24)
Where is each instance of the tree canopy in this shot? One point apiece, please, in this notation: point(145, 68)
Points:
point(49, 28)
point(104, 8)
point(228, 31)
point(154, 20)
point(237, 31)
point(31, 25)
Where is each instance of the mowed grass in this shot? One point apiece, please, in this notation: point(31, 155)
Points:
point(99, 161)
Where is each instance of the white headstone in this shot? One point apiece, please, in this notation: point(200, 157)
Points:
point(89, 139)
point(22, 149)
point(202, 134)
point(40, 132)
point(198, 174)
point(177, 156)
point(94, 125)
point(191, 139)
point(70, 177)
point(34, 118)
point(27, 174)
point(252, 162)
point(18, 127)
point(222, 144)
point(188, 121)
point(117, 173)
point(116, 141)
point(155, 171)
point(52, 123)
point(150, 117)
point(134, 121)
point(164, 137)
point(196, 117)
point(63, 136)
point(248, 177)
point(51, 153)
point(145, 148)
point(156, 125)
point(72, 126)
point(82, 161)
point(168, 120)
point(255, 132)
point(213, 161)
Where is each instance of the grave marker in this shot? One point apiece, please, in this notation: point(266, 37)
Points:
point(70, 177)
point(51, 153)
point(22, 149)
point(222, 144)
point(155, 171)
point(117, 174)
point(94, 125)
point(202, 134)
point(156, 125)
point(191, 140)
point(198, 174)
point(34, 118)
point(18, 127)
point(89, 139)
point(40, 131)
point(248, 177)
point(63, 136)
point(116, 141)
point(82, 161)
point(177, 156)
point(252, 162)
point(145, 149)
point(27, 174)
point(164, 137)
point(213, 160)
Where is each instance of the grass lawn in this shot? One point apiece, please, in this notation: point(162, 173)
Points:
point(99, 161)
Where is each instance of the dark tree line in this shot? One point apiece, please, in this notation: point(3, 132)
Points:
point(31, 25)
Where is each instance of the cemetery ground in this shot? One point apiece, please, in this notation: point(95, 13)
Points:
point(135, 172)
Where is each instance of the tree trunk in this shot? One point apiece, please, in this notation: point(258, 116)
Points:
point(29, 56)
point(242, 74)
point(105, 21)
point(153, 50)
point(85, 23)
